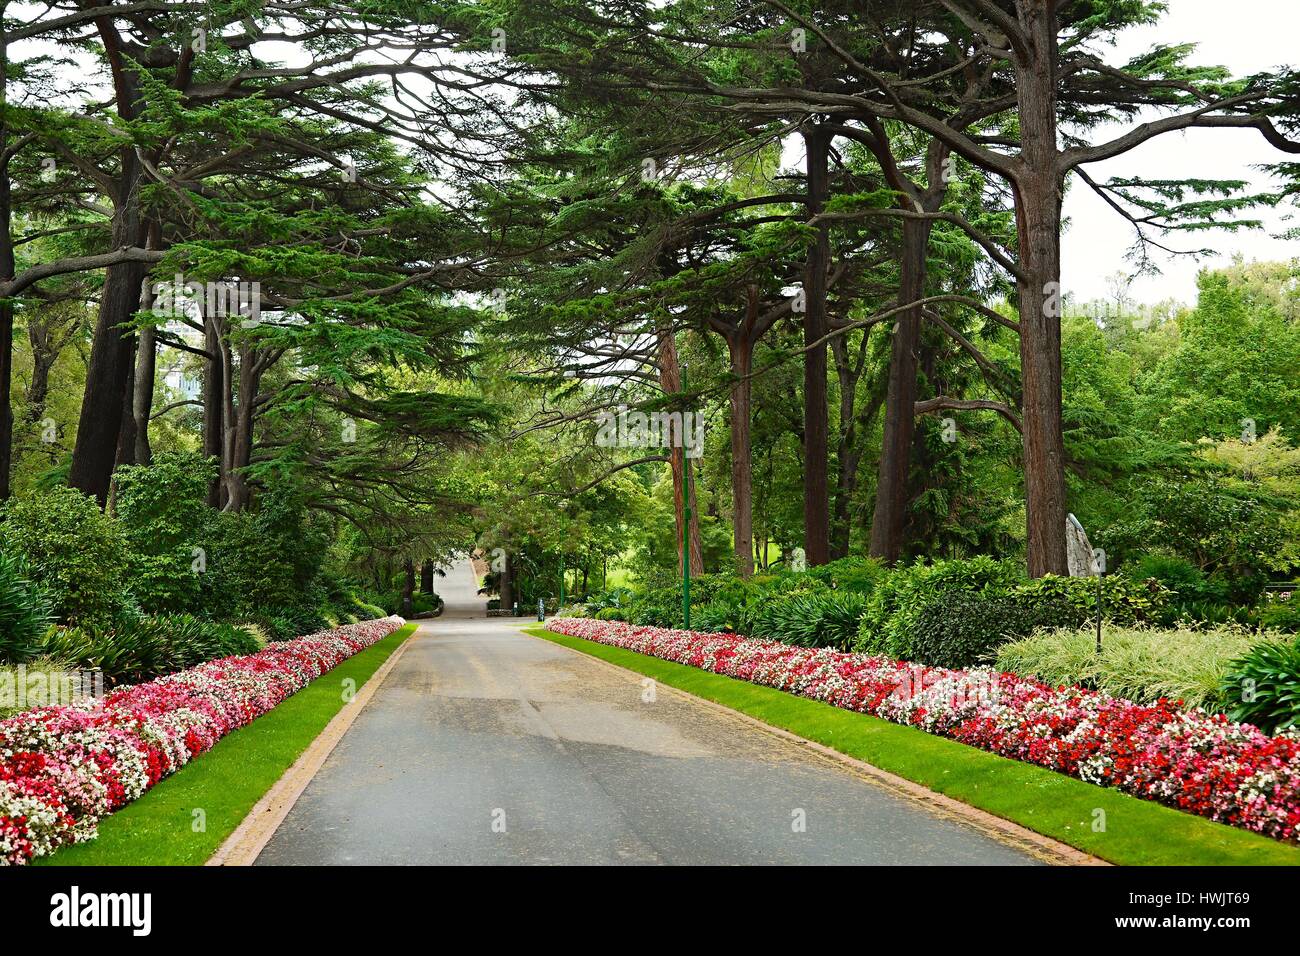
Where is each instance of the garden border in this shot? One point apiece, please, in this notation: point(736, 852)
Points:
point(1007, 832)
point(254, 832)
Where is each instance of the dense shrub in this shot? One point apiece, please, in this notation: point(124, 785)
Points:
point(72, 550)
point(147, 647)
point(1140, 664)
point(1262, 687)
point(1215, 523)
point(850, 574)
point(25, 613)
point(961, 629)
point(822, 618)
point(161, 509)
point(1280, 615)
point(889, 624)
point(265, 565)
point(1185, 581)
point(1125, 600)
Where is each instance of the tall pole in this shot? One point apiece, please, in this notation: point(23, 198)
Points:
point(561, 604)
point(686, 518)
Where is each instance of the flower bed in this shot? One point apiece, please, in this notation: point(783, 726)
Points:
point(63, 768)
point(1197, 762)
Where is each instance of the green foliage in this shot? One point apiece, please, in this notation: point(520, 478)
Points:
point(1262, 687)
point(810, 618)
point(1184, 580)
point(850, 574)
point(1209, 520)
point(1125, 600)
point(893, 610)
point(25, 612)
point(161, 510)
point(1280, 615)
point(72, 550)
point(141, 649)
point(265, 566)
point(961, 629)
point(1137, 663)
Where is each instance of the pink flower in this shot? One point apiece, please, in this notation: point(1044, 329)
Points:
point(64, 768)
point(1198, 762)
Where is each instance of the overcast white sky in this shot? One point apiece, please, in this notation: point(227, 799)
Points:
point(1247, 36)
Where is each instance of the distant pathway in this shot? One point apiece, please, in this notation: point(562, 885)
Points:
point(487, 746)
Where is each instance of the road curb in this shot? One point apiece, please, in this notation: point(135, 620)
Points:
point(1037, 845)
point(248, 840)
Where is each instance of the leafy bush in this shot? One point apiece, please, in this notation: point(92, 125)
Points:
point(161, 510)
point(611, 614)
point(1262, 687)
point(25, 613)
point(1125, 600)
point(850, 574)
point(266, 564)
point(961, 629)
point(811, 618)
point(1140, 664)
point(72, 550)
point(1280, 615)
point(147, 647)
point(1185, 581)
point(366, 611)
point(1214, 522)
point(889, 625)
point(613, 598)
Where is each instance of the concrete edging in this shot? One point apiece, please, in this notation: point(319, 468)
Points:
point(1041, 847)
point(247, 841)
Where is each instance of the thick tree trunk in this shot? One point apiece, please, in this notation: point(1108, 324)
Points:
point(6, 314)
point(408, 587)
point(1038, 224)
point(848, 450)
point(505, 585)
point(111, 353)
point(239, 432)
point(426, 577)
point(816, 506)
point(670, 379)
point(890, 518)
point(214, 391)
point(142, 401)
point(741, 348)
point(125, 454)
point(7, 266)
point(146, 358)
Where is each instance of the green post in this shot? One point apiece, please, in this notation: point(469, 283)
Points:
point(561, 604)
point(686, 516)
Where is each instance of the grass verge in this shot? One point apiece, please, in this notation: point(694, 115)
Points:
point(225, 782)
point(1137, 832)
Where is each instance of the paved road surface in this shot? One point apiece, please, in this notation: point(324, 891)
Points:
point(487, 746)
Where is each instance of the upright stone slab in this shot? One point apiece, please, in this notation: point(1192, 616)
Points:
point(1078, 549)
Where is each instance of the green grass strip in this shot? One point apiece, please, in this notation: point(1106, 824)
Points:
point(1137, 832)
point(225, 782)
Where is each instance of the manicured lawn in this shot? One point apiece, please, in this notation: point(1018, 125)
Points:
point(1137, 832)
point(225, 782)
